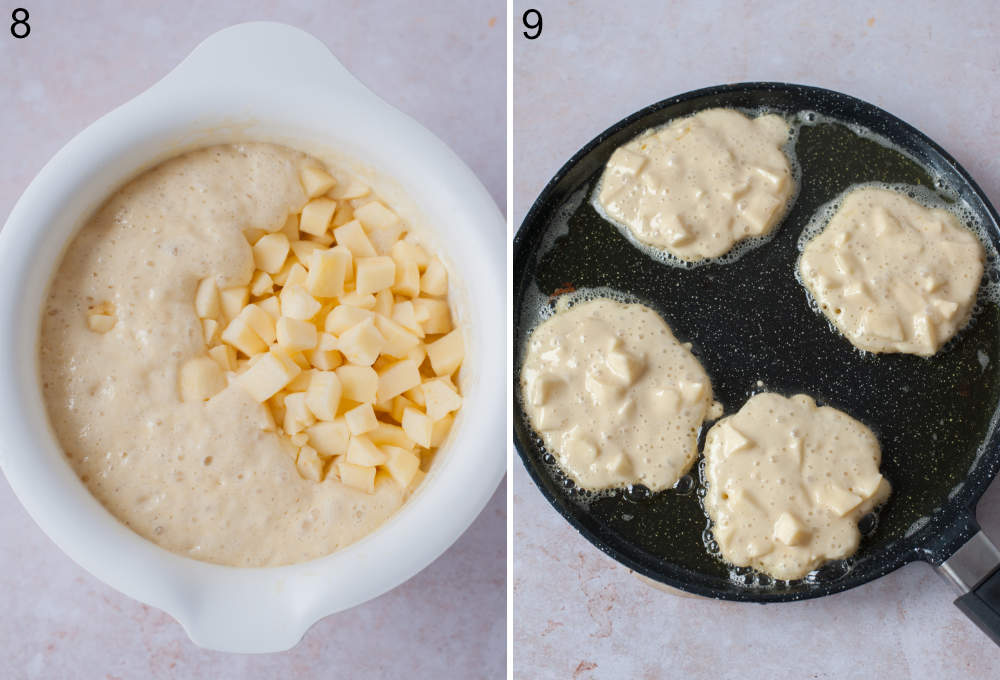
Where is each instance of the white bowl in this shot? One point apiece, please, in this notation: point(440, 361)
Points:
point(269, 82)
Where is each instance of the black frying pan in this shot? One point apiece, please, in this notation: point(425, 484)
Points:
point(749, 320)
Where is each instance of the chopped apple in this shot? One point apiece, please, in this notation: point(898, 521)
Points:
point(309, 464)
point(297, 303)
point(360, 383)
point(270, 251)
point(361, 344)
point(374, 273)
point(361, 451)
point(357, 476)
point(316, 216)
point(417, 426)
point(435, 280)
point(323, 395)
point(316, 181)
point(295, 334)
point(435, 314)
point(233, 300)
point(329, 437)
point(328, 272)
point(268, 375)
point(200, 379)
point(441, 398)
point(401, 464)
point(224, 356)
point(206, 299)
point(353, 237)
point(396, 379)
point(447, 352)
point(361, 419)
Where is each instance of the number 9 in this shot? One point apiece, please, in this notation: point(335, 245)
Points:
point(532, 23)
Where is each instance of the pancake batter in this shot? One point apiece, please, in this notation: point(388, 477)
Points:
point(701, 184)
point(788, 482)
point(893, 275)
point(205, 479)
point(615, 397)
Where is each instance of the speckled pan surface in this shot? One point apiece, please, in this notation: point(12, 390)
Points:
point(750, 320)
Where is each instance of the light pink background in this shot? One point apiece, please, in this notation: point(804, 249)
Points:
point(577, 613)
point(441, 62)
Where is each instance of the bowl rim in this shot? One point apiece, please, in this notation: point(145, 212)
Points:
point(215, 93)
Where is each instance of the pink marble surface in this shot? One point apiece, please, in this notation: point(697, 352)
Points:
point(442, 63)
point(578, 614)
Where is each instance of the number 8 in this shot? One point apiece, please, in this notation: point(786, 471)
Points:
point(20, 21)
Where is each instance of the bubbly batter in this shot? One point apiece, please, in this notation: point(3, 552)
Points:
point(203, 479)
point(788, 482)
point(701, 184)
point(615, 397)
point(893, 275)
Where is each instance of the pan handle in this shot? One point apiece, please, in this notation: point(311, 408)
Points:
point(974, 570)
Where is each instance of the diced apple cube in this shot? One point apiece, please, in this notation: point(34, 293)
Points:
point(353, 237)
point(300, 383)
point(240, 335)
point(316, 181)
point(233, 300)
point(435, 279)
point(261, 284)
point(403, 314)
point(309, 464)
point(325, 360)
point(353, 299)
point(303, 250)
point(354, 188)
point(270, 251)
point(838, 499)
point(201, 379)
point(295, 334)
point(252, 234)
point(387, 434)
point(297, 303)
point(447, 352)
point(323, 395)
point(344, 214)
point(224, 356)
point(384, 302)
point(374, 273)
point(402, 465)
point(272, 306)
point(281, 278)
point(399, 404)
point(361, 451)
point(268, 375)
point(417, 354)
point(329, 437)
point(344, 317)
point(357, 476)
point(328, 272)
point(209, 328)
point(418, 426)
point(397, 378)
point(361, 419)
point(398, 340)
point(789, 530)
point(206, 299)
point(316, 216)
point(297, 276)
point(441, 429)
point(407, 278)
point(259, 321)
point(290, 228)
point(297, 415)
point(437, 313)
point(362, 343)
point(375, 214)
point(416, 395)
point(360, 383)
point(384, 238)
point(441, 398)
